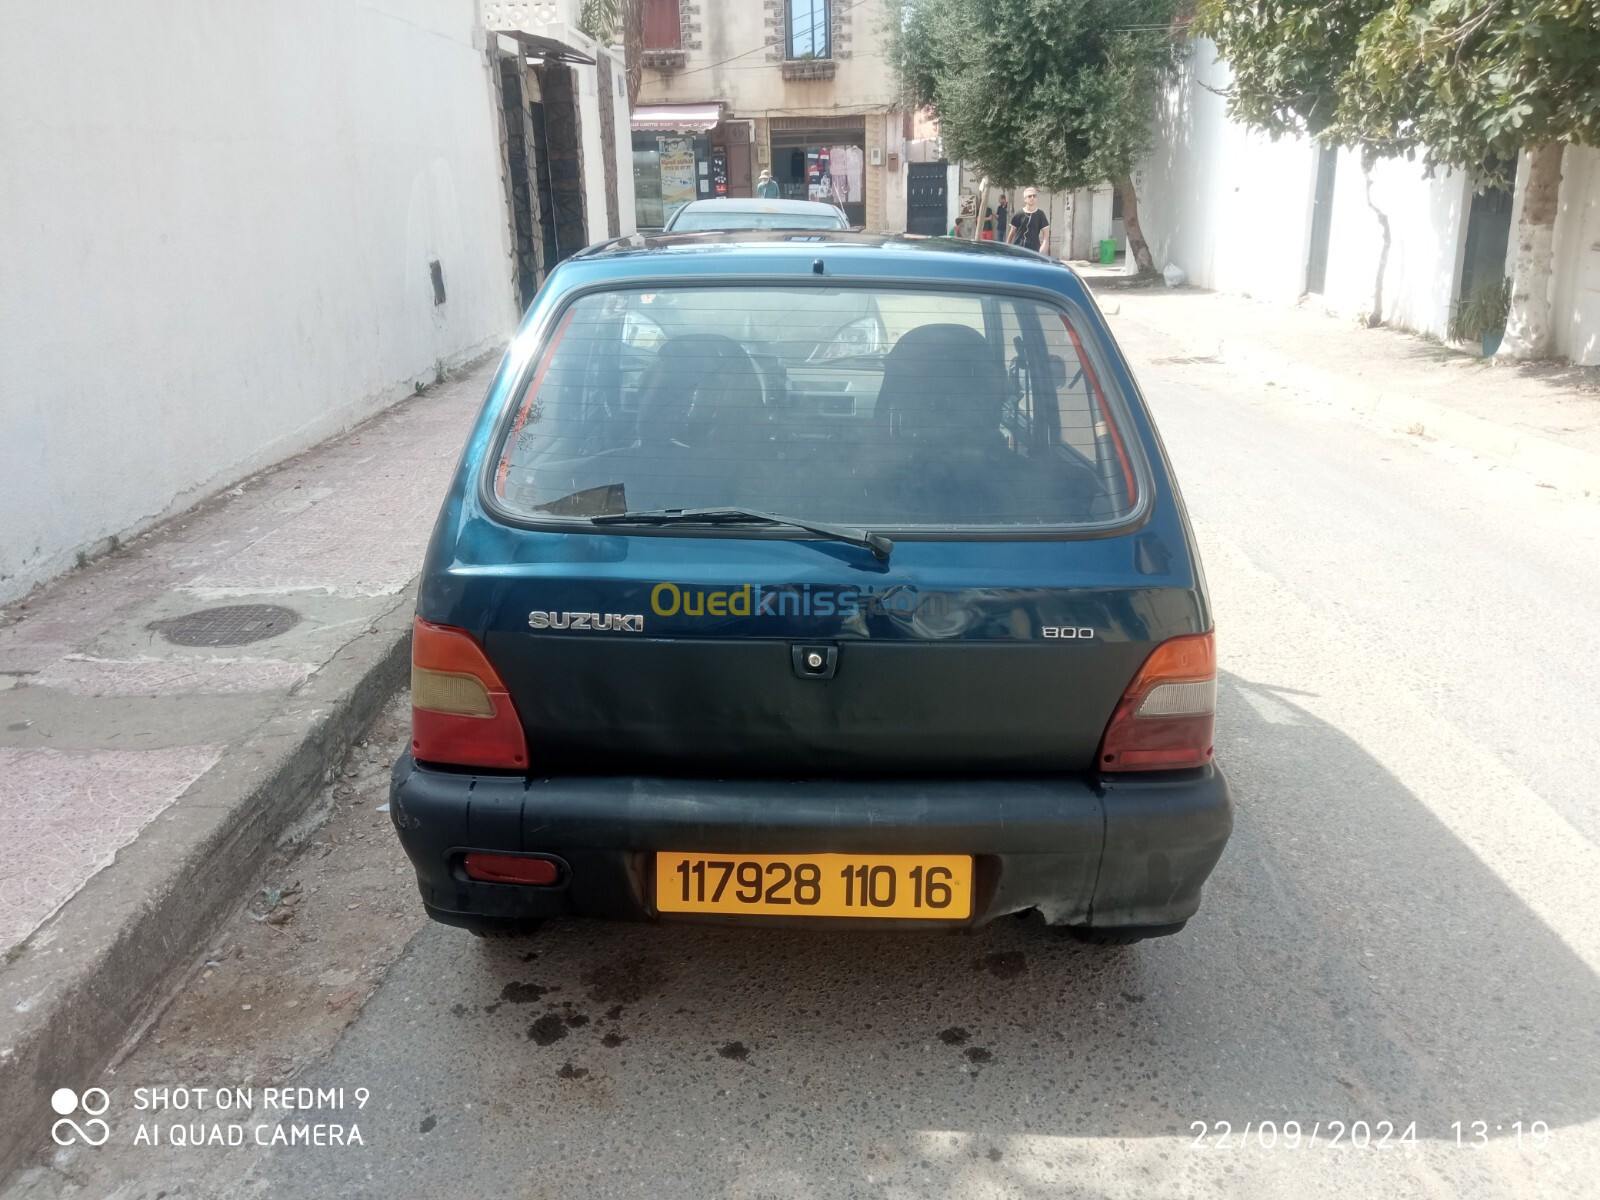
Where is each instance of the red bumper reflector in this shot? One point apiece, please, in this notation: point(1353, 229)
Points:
point(511, 868)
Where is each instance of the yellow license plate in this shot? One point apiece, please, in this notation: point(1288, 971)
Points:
point(909, 886)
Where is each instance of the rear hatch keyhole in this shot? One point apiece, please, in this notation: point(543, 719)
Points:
point(814, 662)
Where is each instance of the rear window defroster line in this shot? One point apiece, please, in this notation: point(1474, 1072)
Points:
point(1105, 414)
point(526, 407)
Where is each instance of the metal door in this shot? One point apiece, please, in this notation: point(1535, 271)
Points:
point(739, 159)
point(1488, 235)
point(1321, 221)
point(927, 198)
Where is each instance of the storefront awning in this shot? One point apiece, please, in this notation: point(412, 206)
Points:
point(677, 118)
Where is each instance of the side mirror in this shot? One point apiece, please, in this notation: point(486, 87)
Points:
point(1058, 370)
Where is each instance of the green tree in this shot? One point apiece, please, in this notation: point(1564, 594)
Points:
point(1463, 83)
point(1056, 93)
point(601, 20)
point(598, 18)
point(1288, 59)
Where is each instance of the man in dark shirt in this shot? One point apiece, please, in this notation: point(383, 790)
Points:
point(1030, 227)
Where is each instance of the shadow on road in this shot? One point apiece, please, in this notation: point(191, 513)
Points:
point(1352, 961)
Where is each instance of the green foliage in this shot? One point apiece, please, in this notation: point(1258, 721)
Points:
point(1288, 58)
point(1057, 93)
point(1468, 83)
point(1473, 80)
point(599, 18)
point(1485, 310)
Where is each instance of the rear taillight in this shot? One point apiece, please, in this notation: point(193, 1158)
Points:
point(461, 714)
point(1164, 720)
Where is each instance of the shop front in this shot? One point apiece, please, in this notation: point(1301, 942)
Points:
point(822, 158)
point(672, 158)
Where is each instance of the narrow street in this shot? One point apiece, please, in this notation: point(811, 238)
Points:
point(764, 506)
point(1397, 946)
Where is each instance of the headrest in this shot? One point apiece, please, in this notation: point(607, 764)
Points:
point(942, 383)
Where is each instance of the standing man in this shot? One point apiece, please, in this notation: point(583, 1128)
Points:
point(1030, 228)
point(1002, 218)
point(767, 186)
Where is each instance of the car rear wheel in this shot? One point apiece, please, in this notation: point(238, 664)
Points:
point(1118, 935)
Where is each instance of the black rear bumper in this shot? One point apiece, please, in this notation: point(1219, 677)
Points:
point(1102, 852)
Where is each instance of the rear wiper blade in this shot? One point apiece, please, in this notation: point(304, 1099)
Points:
point(880, 546)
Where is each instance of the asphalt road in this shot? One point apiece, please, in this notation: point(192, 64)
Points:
point(1402, 933)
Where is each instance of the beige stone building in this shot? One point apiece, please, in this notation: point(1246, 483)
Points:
point(798, 87)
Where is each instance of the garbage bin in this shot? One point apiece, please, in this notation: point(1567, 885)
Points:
point(1108, 251)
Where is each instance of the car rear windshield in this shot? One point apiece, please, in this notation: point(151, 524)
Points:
point(697, 222)
point(890, 409)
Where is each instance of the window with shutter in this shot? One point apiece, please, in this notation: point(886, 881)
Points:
point(662, 29)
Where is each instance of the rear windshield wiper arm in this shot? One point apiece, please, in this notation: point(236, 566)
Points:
point(880, 546)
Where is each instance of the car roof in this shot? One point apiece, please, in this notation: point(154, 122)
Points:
point(876, 257)
point(756, 204)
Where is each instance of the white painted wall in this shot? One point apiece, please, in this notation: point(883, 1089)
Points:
point(594, 179)
point(1233, 208)
point(1099, 213)
point(1427, 224)
point(215, 228)
point(1575, 285)
point(894, 143)
point(627, 211)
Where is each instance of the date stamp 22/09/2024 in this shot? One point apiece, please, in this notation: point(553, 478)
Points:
point(1360, 1135)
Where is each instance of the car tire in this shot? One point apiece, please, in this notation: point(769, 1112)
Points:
point(1117, 935)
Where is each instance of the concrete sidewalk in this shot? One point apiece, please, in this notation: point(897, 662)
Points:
point(1542, 418)
point(166, 714)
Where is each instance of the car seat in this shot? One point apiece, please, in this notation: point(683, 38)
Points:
point(702, 387)
point(942, 387)
point(940, 406)
point(700, 425)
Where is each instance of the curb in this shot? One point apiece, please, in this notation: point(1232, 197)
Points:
point(104, 964)
point(1560, 466)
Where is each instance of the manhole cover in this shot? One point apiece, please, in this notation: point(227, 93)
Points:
point(231, 625)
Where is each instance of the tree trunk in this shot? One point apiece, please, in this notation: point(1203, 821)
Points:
point(1375, 316)
point(1528, 327)
point(1130, 221)
point(633, 48)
